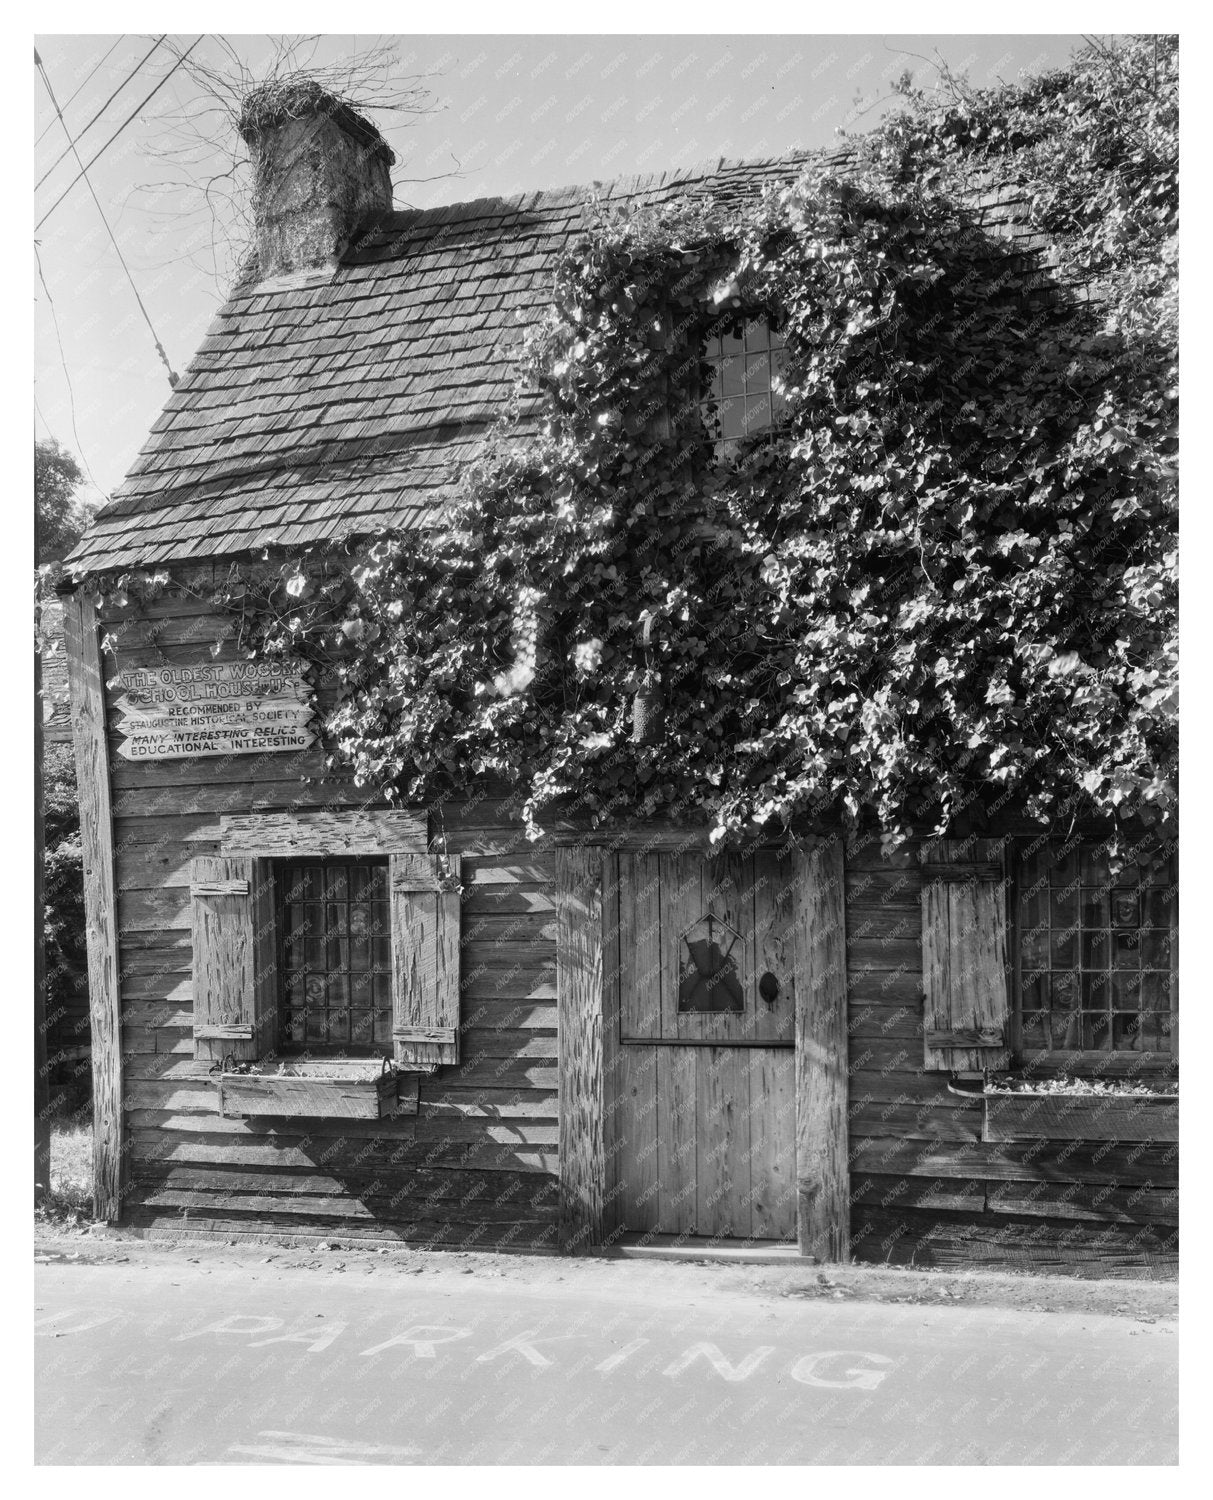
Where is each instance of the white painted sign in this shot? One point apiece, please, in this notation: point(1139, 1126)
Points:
point(220, 708)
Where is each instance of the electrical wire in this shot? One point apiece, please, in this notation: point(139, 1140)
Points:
point(83, 132)
point(113, 138)
point(71, 395)
point(172, 374)
point(47, 129)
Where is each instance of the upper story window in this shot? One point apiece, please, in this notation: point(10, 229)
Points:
point(1094, 953)
point(745, 355)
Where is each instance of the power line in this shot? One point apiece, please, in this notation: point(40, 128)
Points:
point(132, 74)
point(112, 139)
point(47, 130)
point(41, 415)
point(117, 248)
point(71, 395)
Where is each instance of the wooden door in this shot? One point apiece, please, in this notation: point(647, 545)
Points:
point(703, 1124)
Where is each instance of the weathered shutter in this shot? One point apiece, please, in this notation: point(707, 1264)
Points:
point(425, 961)
point(966, 1014)
point(234, 969)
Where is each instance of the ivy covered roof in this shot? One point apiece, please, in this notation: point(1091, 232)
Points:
point(332, 405)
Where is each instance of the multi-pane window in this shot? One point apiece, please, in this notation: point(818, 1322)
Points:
point(336, 956)
point(1094, 959)
point(745, 355)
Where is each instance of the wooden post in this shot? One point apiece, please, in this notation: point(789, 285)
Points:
point(583, 1163)
point(823, 1218)
point(87, 685)
point(42, 1093)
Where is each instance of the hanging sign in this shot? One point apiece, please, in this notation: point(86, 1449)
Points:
point(221, 708)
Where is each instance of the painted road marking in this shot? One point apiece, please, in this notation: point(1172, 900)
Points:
point(424, 1339)
point(91, 1321)
point(613, 1361)
point(716, 1359)
point(315, 1448)
point(230, 1325)
point(522, 1344)
point(316, 1340)
point(805, 1370)
point(830, 1369)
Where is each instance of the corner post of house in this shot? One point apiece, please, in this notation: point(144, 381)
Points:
point(580, 1041)
point(823, 1227)
point(86, 683)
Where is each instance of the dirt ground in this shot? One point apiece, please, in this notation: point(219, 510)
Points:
point(63, 1233)
point(58, 1240)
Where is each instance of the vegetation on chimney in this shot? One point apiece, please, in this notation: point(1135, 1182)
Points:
point(948, 586)
point(296, 96)
point(247, 84)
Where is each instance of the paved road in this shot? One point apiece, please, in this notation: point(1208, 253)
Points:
point(188, 1362)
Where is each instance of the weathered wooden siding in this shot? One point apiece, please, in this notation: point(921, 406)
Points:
point(476, 1165)
point(925, 1189)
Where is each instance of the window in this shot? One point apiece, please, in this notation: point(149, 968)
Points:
point(335, 964)
point(745, 355)
point(1094, 953)
point(326, 932)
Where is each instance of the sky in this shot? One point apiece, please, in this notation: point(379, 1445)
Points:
point(501, 115)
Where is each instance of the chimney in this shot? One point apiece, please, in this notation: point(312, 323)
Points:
point(323, 173)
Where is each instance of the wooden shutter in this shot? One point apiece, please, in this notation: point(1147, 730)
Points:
point(966, 1014)
point(235, 986)
point(425, 961)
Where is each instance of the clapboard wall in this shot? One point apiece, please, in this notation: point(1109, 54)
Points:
point(925, 1189)
point(477, 1164)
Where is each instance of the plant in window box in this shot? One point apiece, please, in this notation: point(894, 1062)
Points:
point(1080, 1109)
point(345, 1088)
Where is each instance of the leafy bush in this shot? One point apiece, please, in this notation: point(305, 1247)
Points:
point(63, 882)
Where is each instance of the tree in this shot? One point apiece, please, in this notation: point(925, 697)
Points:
point(60, 517)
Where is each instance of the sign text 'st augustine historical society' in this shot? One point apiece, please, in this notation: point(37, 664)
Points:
point(224, 708)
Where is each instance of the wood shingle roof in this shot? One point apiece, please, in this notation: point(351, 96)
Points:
point(343, 405)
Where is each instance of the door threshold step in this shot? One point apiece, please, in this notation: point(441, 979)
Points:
point(688, 1247)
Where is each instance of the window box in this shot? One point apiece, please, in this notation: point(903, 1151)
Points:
point(345, 1089)
point(1020, 1111)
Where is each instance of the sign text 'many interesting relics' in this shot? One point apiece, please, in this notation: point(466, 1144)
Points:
point(223, 708)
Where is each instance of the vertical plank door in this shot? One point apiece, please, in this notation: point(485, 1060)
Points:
point(703, 1128)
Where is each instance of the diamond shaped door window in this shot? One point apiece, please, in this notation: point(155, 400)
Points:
point(709, 976)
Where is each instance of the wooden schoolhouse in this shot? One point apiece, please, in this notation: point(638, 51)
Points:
point(315, 1014)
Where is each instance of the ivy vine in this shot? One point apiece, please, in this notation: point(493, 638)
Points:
point(946, 585)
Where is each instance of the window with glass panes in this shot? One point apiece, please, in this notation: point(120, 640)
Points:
point(745, 354)
point(1094, 952)
point(335, 968)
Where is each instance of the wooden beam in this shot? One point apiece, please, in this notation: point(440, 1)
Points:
point(822, 1178)
point(351, 832)
point(649, 837)
point(579, 980)
point(87, 685)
